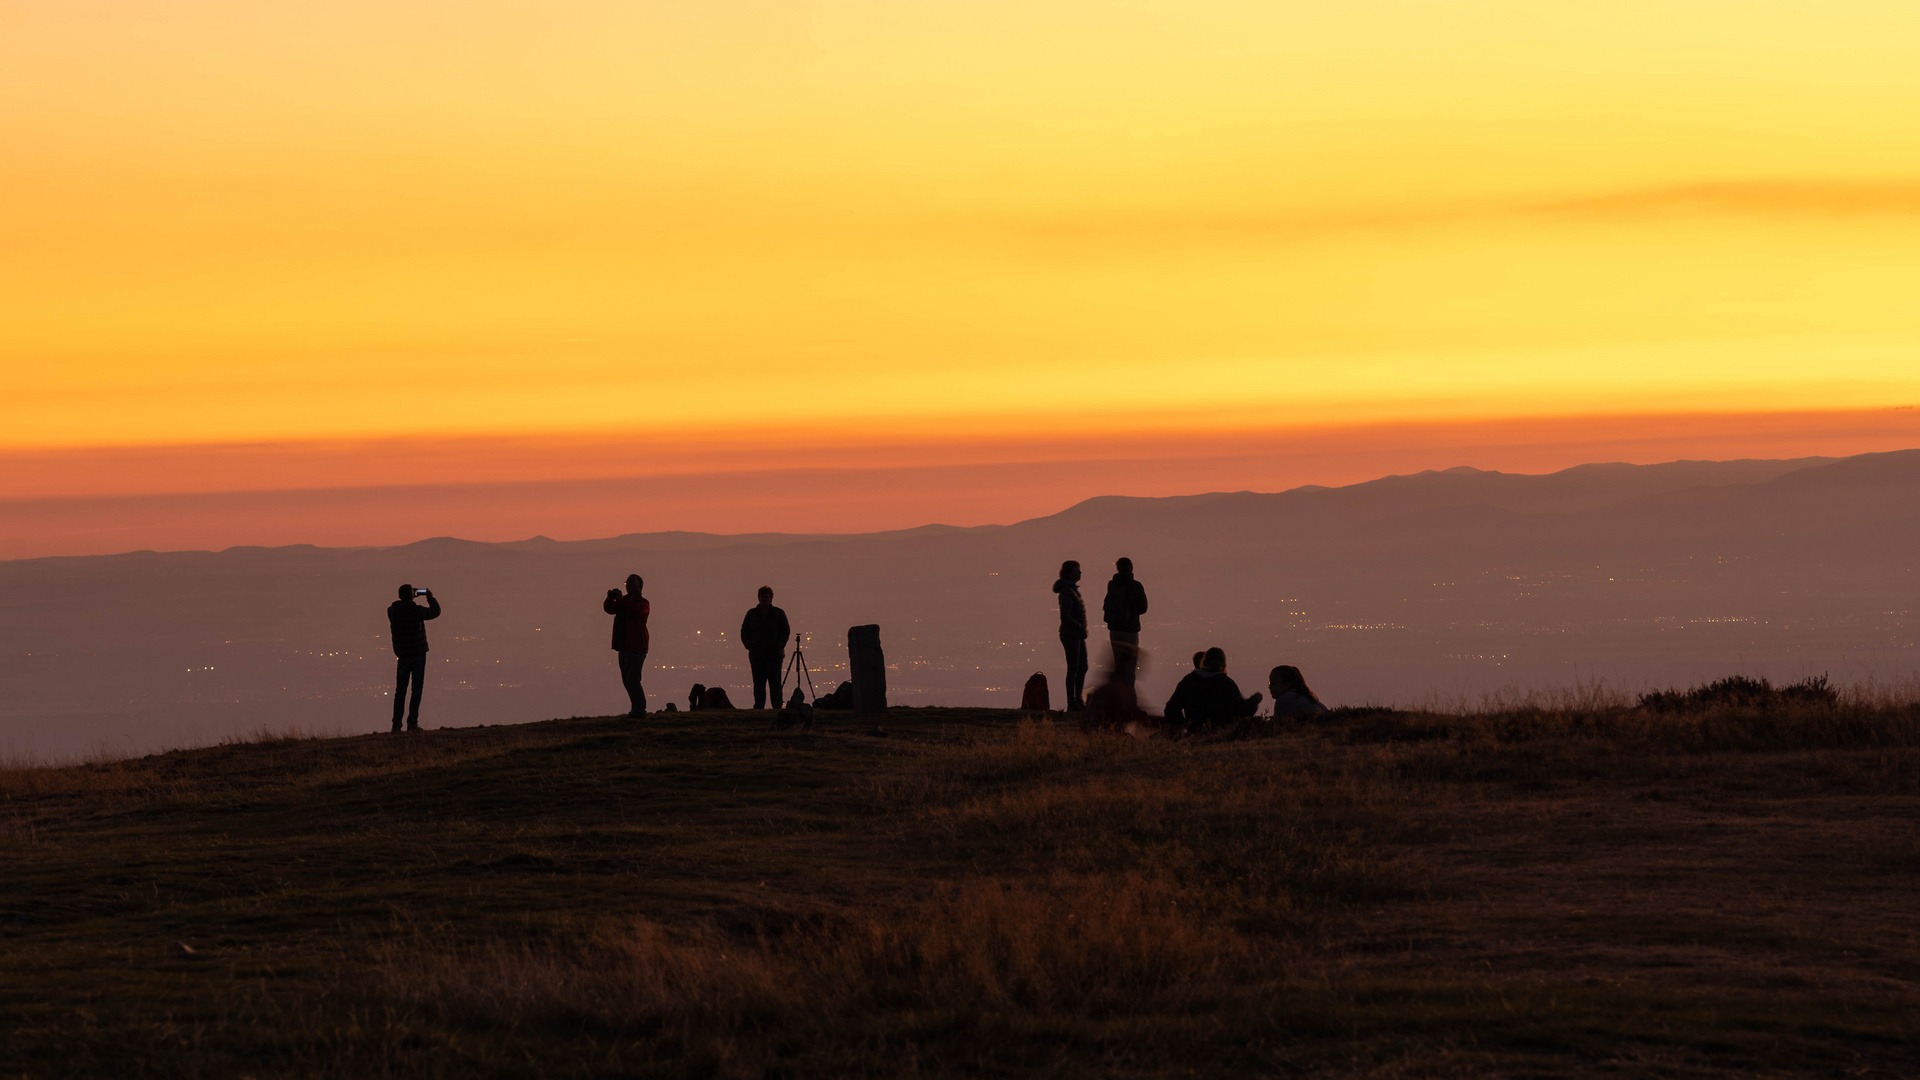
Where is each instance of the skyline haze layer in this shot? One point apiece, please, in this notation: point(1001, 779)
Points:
point(1437, 587)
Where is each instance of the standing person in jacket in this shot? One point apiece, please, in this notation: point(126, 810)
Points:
point(1073, 632)
point(407, 629)
point(630, 639)
point(1126, 602)
point(764, 632)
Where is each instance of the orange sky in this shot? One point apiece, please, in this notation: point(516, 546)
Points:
point(722, 230)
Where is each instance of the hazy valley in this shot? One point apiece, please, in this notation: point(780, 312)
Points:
point(1439, 586)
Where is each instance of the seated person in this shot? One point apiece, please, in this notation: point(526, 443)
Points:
point(1208, 697)
point(1290, 694)
point(707, 697)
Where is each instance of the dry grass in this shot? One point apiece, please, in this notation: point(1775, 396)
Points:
point(1075, 948)
point(266, 761)
point(1523, 892)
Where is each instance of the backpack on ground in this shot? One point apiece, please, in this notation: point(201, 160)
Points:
point(1034, 697)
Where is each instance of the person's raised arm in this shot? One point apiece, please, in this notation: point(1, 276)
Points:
point(433, 607)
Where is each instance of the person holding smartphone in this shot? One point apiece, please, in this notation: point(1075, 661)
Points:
point(407, 629)
point(630, 639)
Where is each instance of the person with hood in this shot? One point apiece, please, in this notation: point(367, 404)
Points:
point(1208, 697)
point(1126, 602)
point(765, 632)
point(631, 639)
point(1073, 632)
point(407, 629)
point(1290, 694)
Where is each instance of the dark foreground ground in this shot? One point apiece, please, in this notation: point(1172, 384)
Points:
point(1734, 893)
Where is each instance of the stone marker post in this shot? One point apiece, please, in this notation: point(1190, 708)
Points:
point(868, 666)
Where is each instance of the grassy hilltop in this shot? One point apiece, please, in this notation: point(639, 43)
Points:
point(1528, 893)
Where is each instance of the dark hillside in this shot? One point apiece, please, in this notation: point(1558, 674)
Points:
point(1531, 893)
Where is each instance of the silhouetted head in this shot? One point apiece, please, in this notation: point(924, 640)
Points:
point(1214, 660)
point(1070, 570)
point(406, 592)
point(766, 594)
point(634, 583)
point(1197, 657)
point(1287, 678)
point(1123, 564)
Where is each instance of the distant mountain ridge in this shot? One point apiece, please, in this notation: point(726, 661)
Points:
point(1589, 487)
point(1581, 487)
point(1454, 581)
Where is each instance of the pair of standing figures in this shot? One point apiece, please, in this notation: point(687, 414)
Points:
point(1125, 602)
point(764, 632)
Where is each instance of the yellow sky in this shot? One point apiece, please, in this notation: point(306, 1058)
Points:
point(226, 221)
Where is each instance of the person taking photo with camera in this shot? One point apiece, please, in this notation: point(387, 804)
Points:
point(407, 629)
point(630, 639)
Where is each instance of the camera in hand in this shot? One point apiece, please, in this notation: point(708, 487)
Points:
point(423, 592)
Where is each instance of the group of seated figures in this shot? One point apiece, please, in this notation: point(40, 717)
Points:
point(1206, 699)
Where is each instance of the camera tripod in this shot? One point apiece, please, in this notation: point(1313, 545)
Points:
point(796, 667)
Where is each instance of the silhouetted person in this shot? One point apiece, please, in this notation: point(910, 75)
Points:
point(709, 697)
point(764, 632)
point(1126, 602)
point(1208, 697)
point(1290, 694)
point(1073, 633)
point(407, 629)
point(631, 639)
point(1114, 705)
point(1199, 658)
